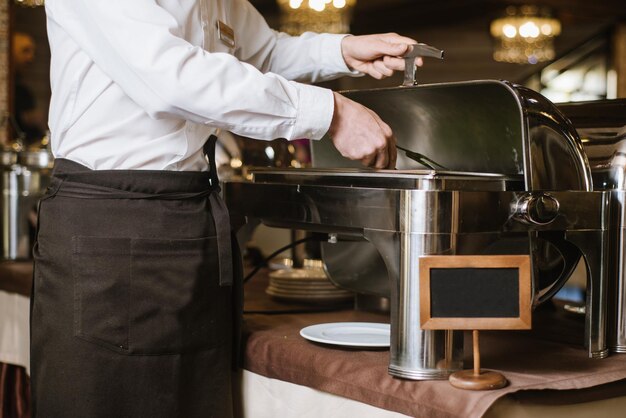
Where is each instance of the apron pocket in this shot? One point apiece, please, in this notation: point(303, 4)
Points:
point(150, 296)
point(101, 270)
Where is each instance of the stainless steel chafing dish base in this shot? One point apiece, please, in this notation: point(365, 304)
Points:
point(519, 183)
point(404, 215)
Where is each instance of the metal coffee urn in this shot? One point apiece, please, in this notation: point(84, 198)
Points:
point(504, 172)
point(25, 175)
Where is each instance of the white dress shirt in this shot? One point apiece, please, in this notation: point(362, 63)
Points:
point(141, 84)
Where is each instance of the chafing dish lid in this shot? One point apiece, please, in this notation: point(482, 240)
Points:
point(484, 126)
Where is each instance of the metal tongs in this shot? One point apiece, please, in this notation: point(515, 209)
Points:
point(422, 159)
point(417, 50)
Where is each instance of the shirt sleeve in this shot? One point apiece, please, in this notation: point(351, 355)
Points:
point(310, 57)
point(138, 44)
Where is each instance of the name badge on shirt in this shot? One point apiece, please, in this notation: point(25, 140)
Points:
point(226, 34)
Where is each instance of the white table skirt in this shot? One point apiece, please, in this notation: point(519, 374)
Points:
point(263, 397)
point(14, 329)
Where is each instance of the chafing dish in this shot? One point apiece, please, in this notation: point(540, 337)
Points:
point(517, 182)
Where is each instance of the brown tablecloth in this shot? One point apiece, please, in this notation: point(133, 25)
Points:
point(275, 349)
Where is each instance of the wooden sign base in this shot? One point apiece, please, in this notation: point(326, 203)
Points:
point(475, 379)
point(467, 379)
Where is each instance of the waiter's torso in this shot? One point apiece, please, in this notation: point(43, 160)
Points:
point(140, 84)
point(95, 123)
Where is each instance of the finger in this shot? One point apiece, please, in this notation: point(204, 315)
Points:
point(382, 68)
point(393, 154)
point(369, 160)
point(373, 72)
point(390, 138)
point(398, 64)
point(383, 47)
point(395, 38)
point(382, 158)
point(387, 132)
point(394, 63)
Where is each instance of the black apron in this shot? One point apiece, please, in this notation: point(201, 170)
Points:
point(132, 309)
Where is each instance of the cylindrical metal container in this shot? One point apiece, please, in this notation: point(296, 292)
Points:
point(25, 175)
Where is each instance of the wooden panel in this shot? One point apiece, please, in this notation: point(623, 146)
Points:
point(4, 69)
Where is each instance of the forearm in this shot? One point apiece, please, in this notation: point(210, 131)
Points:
point(310, 57)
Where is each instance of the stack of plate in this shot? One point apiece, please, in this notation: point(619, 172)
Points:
point(309, 285)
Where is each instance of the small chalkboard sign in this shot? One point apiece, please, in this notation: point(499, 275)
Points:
point(473, 293)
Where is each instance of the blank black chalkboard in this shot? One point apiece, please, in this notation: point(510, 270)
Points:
point(475, 292)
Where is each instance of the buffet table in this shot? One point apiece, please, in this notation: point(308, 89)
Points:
point(285, 375)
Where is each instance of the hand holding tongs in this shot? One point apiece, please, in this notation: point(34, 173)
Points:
point(414, 51)
point(422, 159)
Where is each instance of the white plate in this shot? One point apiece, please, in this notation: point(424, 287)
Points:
point(351, 334)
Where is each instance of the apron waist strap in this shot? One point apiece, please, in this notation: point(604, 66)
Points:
point(72, 180)
point(67, 188)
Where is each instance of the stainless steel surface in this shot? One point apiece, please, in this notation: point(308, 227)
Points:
point(617, 304)
point(602, 127)
point(594, 247)
point(372, 303)
point(540, 208)
point(414, 51)
point(423, 50)
point(35, 160)
point(475, 127)
point(389, 179)
point(479, 126)
point(25, 175)
point(399, 225)
point(555, 158)
point(518, 183)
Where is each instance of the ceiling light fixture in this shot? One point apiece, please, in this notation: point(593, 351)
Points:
point(30, 3)
point(329, 16)
point(525, 35)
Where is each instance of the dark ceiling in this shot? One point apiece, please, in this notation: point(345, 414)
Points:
point(461, 28)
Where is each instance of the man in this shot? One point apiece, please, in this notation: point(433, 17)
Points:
point(132, 311)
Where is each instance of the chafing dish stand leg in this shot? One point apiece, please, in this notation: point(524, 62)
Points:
point(617, 272)
point(593, 246)
point(414, 353)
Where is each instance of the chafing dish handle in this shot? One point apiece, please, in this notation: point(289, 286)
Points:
point(417, 50)
point(571, 255)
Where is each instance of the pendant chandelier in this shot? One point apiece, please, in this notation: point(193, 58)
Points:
point(329, 16)
point(525, 35)
point(30, 3)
